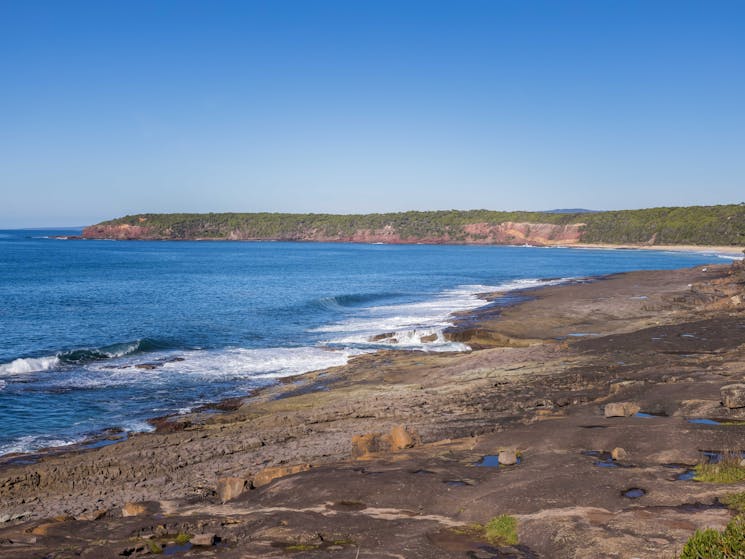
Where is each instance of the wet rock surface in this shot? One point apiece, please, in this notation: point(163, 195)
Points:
point(384, 462)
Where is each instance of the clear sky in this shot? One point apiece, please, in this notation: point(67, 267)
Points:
point(110, 107)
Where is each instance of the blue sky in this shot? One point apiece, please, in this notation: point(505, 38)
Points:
point(116, 107)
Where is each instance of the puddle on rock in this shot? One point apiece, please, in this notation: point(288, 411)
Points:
point(492, 461)
point(466, 542)
point(650, 415)
point(177, 548)
point(715, 456)
point(604, 459)
point(696, 507)
point(422, 472)
point(687, 475)
point(634, 493)
point(704, 421)
point(459, 482)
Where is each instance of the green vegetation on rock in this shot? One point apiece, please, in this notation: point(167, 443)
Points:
point(735, 501)
point(712, 544)
point(500, 530)
point(696, 225)
point(728, 470)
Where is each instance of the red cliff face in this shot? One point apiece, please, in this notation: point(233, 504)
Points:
point(507, 233)
point(120, 232)
point(520, 233)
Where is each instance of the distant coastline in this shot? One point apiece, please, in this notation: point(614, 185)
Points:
point(720, 228)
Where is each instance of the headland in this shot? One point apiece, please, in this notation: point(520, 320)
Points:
point(698, 226)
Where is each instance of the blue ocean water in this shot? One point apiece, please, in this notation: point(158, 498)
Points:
point(106, 334)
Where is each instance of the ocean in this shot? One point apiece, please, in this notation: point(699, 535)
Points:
point(98, 335)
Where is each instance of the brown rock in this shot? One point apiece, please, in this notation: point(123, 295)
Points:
point(369, 443)
point(269, 474)
point(507, 457)
point(401, 438)
point(229, 488)
point(206, 540)
point(93, 515)
point(43, 529)
point(619, 454)
point(380, 337)
point(134, 509)
point(733, 396)
point(621, 409)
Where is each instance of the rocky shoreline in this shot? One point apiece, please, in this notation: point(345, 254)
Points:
point(583, 395)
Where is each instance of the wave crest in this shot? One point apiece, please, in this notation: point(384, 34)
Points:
point(79, 356)
point(86, 355)
point(29, 365)
point(350, 300)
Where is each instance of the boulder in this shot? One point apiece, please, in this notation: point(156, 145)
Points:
point(401, 438)
point(229, 488)
point(507, 457)
point(369, 443)
point(206, 540)
point(134, 509)
point(619, 453)
point(733, 396)
point(621, 409)
point(269, 474)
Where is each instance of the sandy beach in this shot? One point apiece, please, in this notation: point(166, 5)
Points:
point(589, 387)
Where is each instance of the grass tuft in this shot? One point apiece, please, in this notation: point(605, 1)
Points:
point(735, 501)
point(728, 470)
point(502, 530)
point(182, 538)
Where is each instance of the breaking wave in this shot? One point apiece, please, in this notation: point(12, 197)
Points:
point(419, 325)
point(79, 356)
point(350, 301)
point(29, 365)
point(30, 443)
point(86, 355)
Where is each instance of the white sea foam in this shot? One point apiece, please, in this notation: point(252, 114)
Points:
point(136, 426)
point(29, 365)
point(730, 257)
point(30, 443)
point(258, 363)
point(419, 325)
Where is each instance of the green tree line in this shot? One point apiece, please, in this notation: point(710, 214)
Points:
point(701, 225)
